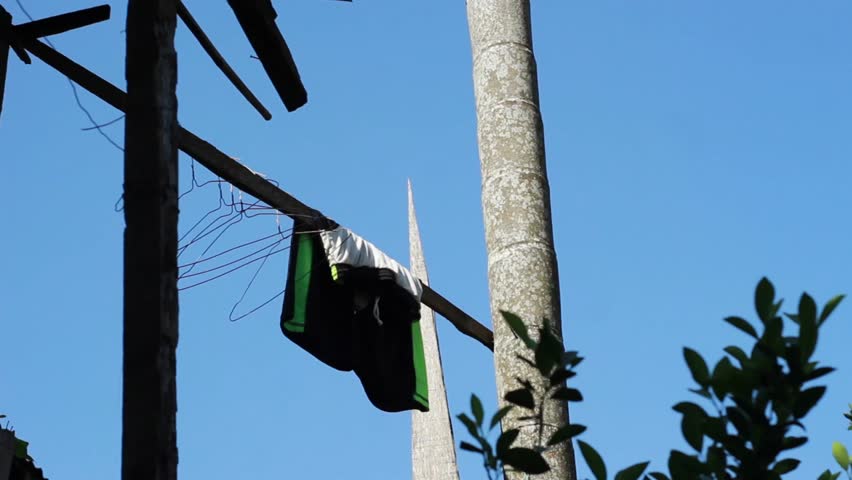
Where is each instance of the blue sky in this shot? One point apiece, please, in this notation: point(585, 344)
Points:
point(693, 147)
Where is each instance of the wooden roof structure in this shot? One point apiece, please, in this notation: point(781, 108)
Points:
point(153, 135)
point(256, 18)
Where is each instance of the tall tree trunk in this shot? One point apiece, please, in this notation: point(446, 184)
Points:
point(433, 454)
point(149, 438)
point(522, 270)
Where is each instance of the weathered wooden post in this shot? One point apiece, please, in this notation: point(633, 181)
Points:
point(149, 439)
point(433, 454)
point(522, 270)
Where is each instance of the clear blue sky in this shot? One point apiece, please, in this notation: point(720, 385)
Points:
point(693, 147)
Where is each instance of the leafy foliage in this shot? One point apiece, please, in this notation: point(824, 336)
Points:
point(756, 399)
point(840, 454)
point(555, 366)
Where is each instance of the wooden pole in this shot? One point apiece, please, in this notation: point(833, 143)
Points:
point(5, 32)
point(433, 453)
point(522, 270)
point(149, 438)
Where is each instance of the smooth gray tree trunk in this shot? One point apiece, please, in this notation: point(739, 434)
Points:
point(522, 270)
point(433, 454)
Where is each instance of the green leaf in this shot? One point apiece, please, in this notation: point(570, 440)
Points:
point(565, 433)
point(717, 461)
point(658, 476)
point(715, 428)
point(827, 475)
point(738, 354)
point(593, 460)
point(793, 442)
point(689, 408)
point(469, 424)
point(499, 416)
point(776, 307)
point(772, 335)
point(21, 449)
point(841, 455)
point(521, 397)
point(697, 366)
point(807, 400)
point(683, 466)
point(691, 427)
point(526, 460)
point(560, 375)
point(819, 372)
point(476, 408)
point(742, 325)
point(632, 472)
point(764, 298)
point(740, 420)
point(786, 466)
point(548, 352)
point(570, 359)
point(702, 392)
point(829, 307)
point(470, 448)
point(567, 394)
point(807, 326)
point(722, 378)
point(505, 441)
point(518, 328)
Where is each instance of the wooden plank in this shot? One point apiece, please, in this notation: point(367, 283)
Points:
point(219, 60)
point(257, 19)
point(462, 321)
point(243, 178)
point(77, 73)
point(5, 32)
point(149, 431)
point(246, 180)
point(63, 23)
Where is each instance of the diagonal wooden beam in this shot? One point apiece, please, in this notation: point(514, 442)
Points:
point(9, 38)
point(63, 23)
point(257, 19)
point(219, 60)
point(243, 178)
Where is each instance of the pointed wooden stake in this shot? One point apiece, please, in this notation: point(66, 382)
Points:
point(433, 456)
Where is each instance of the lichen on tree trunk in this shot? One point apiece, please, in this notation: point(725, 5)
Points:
point(522, 268)
point(433, 455)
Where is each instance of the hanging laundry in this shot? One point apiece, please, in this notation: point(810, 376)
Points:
point(356, 309)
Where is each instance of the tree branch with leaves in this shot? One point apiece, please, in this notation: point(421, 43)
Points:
point(757, 399)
